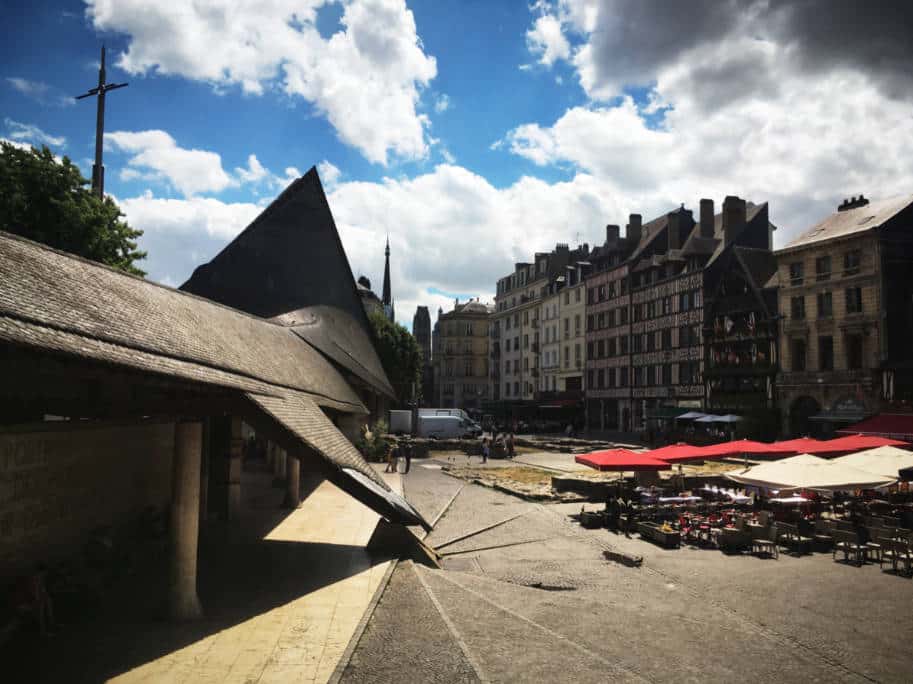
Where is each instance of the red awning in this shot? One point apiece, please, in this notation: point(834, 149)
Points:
point(802, 445)
point(621, 459)
point(677, 452)
point(890, 425)
point(735, 448)
point(859, 442)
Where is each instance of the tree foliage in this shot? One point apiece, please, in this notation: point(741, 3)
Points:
point(48, 201)
point(400, 355)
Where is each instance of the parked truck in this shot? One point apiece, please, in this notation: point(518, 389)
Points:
point(400, 422)
point(446, 427)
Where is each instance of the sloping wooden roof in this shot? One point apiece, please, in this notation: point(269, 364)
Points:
point(53, 300)
point(290, 259)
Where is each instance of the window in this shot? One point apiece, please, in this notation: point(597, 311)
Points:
point(516, 389)
point(851, 262)
point(797, 308)
point(623, 377)
point(636, 313)
point(796, 273)
point(516, 366)
point(600, 321)
point(526, 363)
point(636, 343)
point(507, 323)
point(683, 301)
point(611, 318)
point(526, 341)
point(825, 305)
point(589, 322)
point(526, 317)
point(602, 293)
point(591, 295)
point(697, 299)
point(506, 389)
point(798, 355)
point(611, 382)
point(589, 349)
point(516, 320)
point(651, 375)
point(650, 342)
point(823, 268)
point(507, 367)
point(683, 334)
point(567, 356)
point(567, 297)
point(623, 344)
point(826, 353)
point(611, 347)
point(577, 295)
point(667, 305)
point(667, 374)
point(577, 324)
point(590, 375)
point(854, 352)
point(600, 378)
point(854, 300)
point(517, 343)
point(667, 338)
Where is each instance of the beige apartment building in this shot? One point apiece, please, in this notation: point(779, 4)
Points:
point(550, 338)
point(461, 356)
point(516, 324)
point(846, 300)
point(572, 311)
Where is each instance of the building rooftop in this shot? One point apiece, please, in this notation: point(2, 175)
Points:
point(848, 222)
point(288, 260)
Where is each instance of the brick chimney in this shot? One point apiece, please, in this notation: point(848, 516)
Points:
point(612, 233)
point(673, 230)
point(734, 216)
point(707, 218)
point(632, 231)
point(853, 203)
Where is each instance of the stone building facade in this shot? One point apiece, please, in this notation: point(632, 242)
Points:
point(572, 310)
point(608, 332)
point(461, 356)
point(846, 298)
point(516, 320)
point(550, 338)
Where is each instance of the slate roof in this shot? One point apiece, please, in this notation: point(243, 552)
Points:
point(290, 259)
point(50, 299)
point(852, 221)
point(55, 302)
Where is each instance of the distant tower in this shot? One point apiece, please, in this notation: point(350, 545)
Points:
point(421, 330)
point(387, 299)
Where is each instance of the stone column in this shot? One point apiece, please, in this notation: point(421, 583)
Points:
point(236, 447)
point(292, 482)
point(184, 603)
point(278, 463)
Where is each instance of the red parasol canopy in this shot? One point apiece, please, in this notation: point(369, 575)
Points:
point(733, 448)
point(802, 445)
point(680, 451)
point(621, 459)
point(860, 442)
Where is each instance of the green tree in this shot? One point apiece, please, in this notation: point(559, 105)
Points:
point(48, 201)
point(400, 355)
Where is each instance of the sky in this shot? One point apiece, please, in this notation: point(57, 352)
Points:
point(471, 132)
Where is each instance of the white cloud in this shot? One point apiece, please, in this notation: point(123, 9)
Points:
point(20, 145)
point(29, 133)
point(442, 103)
point(547, 40)
point(254, 173)
point(329, 173)
point(155, 154)
point(40, 92)
point(366, 78)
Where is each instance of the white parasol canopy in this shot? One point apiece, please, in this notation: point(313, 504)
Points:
point(691, 415)
point(810, 472)
point(886, 460)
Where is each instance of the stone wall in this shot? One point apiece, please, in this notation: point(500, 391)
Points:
point(59, 483)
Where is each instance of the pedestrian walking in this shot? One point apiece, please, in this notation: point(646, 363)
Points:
point(407, 454)
point(510, 446)
point(484, 450)
point(392, 458)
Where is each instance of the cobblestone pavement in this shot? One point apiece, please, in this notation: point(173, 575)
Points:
point(532, 599)
point(409, 629)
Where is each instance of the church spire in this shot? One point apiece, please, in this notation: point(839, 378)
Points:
point(387, 299)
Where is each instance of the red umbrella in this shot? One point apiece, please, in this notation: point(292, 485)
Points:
point(733, 448)
point(802, 445)
point(621, 459)
point(860, 442)
point(676, 452)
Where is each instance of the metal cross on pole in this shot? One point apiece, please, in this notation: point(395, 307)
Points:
point(98, 170)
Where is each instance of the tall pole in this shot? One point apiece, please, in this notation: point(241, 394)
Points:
point(98, 169)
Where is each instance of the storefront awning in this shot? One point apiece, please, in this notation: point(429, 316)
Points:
point(892, 425)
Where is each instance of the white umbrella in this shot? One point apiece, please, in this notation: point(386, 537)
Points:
point(729, 418)
point(886, 460)
point(810, 472)
point(691, 415)
point(709, 418)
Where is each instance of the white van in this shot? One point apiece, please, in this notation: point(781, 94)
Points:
point(447, 427)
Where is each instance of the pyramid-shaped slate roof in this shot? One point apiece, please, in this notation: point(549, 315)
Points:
point(289, 265)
